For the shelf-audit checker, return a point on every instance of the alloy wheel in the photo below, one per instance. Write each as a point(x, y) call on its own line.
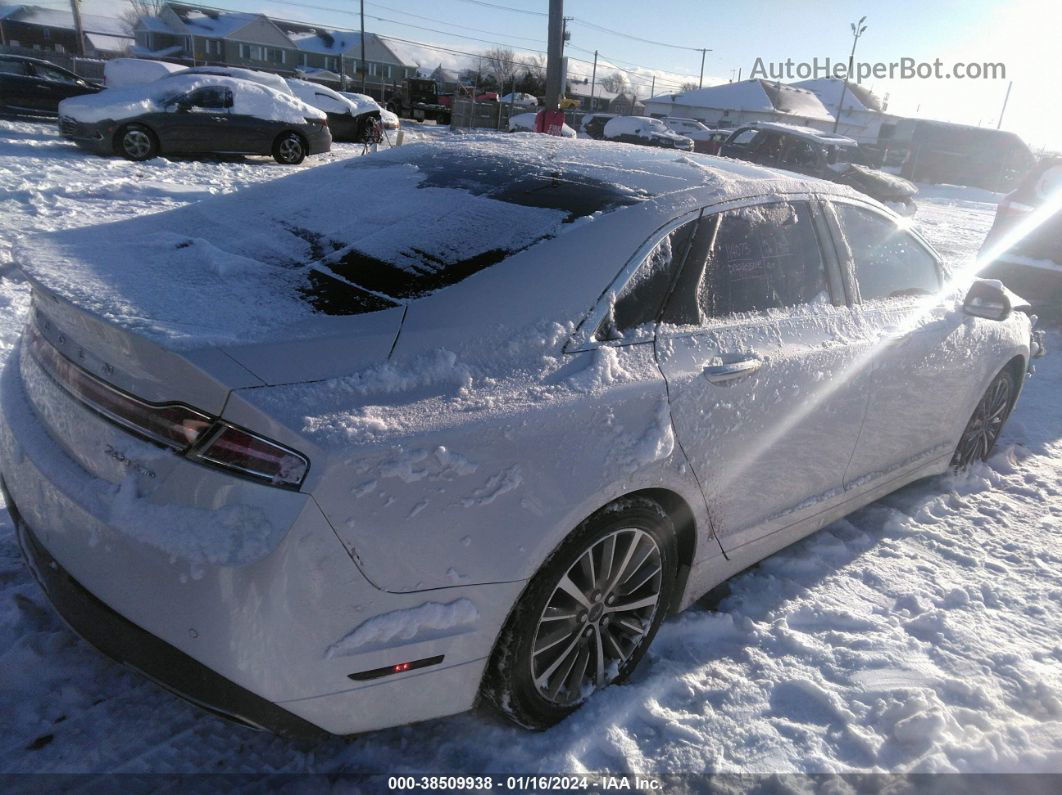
point(987, 422)
point(136, 143)
point(291, 149)
point(597, 616)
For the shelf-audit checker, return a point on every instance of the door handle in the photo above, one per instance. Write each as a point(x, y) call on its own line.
point(731, 371)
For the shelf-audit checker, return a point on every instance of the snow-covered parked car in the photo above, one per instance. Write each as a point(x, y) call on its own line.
point(525, 122)
point(706, 140)
point(267, 79)
point(815, 153)
point(644, 131)
point(520, 100)
point(389, 119)
point(1024, 245)
point(125, 72)
point(195, 114)
point(322, 463)
point(348, 120)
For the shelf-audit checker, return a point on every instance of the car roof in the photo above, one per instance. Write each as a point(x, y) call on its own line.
point(805, 132)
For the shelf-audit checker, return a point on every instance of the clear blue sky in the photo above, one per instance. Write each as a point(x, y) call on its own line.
point(1021, 34)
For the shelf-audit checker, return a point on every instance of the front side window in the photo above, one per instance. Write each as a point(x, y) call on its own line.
point(13, 67)
point(54, 75)
point(750, 260)
point(888, 262)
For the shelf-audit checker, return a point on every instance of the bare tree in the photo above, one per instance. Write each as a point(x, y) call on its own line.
point(501, 64)
point(615, 82)
point(140, 8)
point(688, 87)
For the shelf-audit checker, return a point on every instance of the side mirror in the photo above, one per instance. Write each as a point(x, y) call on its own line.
point(987, 298)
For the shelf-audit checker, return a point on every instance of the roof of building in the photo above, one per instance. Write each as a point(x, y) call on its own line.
point(829, 90)
point(58, 18)
point(215, 24)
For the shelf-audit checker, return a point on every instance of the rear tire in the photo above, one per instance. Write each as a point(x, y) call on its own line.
point(136, 142)
point(289, 149)
point(984, 427)
point(578, 626)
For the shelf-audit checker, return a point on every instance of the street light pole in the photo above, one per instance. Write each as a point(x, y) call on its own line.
point(857, 31)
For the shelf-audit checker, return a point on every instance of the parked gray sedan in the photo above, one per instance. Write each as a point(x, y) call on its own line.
point(196, 114)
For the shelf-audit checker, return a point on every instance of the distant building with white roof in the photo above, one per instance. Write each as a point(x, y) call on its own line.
point(30, 27)
point(734, 104)
point(863, 116)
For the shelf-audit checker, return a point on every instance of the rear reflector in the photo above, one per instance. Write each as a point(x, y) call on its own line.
point(397, 668)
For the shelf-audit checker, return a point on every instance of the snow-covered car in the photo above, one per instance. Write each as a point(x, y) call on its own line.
point(525, 122)
point(593, 124)
point(706, 140)
point(644, 131)
point(520, 100)
point(389, 119)
point(321, 463)
point(815, 153)
point(348, 120)
point(34, 87)
point(124, 72)
point(1030, 262)
point(195, 114)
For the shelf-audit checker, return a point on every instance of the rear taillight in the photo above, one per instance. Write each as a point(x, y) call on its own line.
point(254, 456)
point(196, 435)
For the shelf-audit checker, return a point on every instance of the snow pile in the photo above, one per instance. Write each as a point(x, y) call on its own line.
point(525, 122)
point(125, 72)
point(249, 99)
point(424, 622)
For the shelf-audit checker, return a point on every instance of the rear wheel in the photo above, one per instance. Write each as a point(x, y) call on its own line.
point(587, 617)
point(289, 149)
point(987, 421)
point(137, 142)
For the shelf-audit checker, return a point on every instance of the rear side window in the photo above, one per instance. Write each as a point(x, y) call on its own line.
point(750, 260)
point(641, 299)
point(888, 262)
point(744, 137)
point(13, 68)
point(211, 97)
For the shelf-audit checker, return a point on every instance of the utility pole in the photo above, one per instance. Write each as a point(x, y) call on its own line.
point(1006, 99)
point(700, 82)
point(857, 31)
point(593, 82)
point(554, 53)
point(652, 88)
point(79, 32)
point(364, 66)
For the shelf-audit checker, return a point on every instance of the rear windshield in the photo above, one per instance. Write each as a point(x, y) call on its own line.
point(466, 212)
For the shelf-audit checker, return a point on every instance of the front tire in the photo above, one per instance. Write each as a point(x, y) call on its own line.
point(289, 149)
point(587, 616)
point(136, 142)
point(984, 427)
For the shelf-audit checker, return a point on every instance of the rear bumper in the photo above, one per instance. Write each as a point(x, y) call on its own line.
point(124, 641)
point(319, 140)
point(250, 639)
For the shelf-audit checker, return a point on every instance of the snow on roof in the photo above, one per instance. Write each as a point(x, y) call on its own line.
point(58, 18)
point(216, 24)
point(155, 25)
point(105, 43)
point(761, 96)
point(829, 89)
point(6, 11)
point(266, 263)
point(807, 132)
point(326, 42)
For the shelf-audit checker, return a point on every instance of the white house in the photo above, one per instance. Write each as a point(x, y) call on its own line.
point(863, 116)
point(734, 104)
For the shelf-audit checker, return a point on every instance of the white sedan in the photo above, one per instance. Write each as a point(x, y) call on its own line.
point(324, 464)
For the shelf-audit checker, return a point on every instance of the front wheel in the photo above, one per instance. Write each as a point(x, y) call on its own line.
point(587, 617)
point(137, 142)
point(289, 149)
point(987, 421)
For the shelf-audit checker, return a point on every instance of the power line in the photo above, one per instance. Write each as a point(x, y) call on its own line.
point(633, 37)
point(454, 24)
point(507, 8)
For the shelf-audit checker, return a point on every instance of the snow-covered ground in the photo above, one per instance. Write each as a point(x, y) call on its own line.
point(923, 633)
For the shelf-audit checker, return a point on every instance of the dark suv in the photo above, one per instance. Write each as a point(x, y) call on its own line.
point(34, 87)
point(1031, 265)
